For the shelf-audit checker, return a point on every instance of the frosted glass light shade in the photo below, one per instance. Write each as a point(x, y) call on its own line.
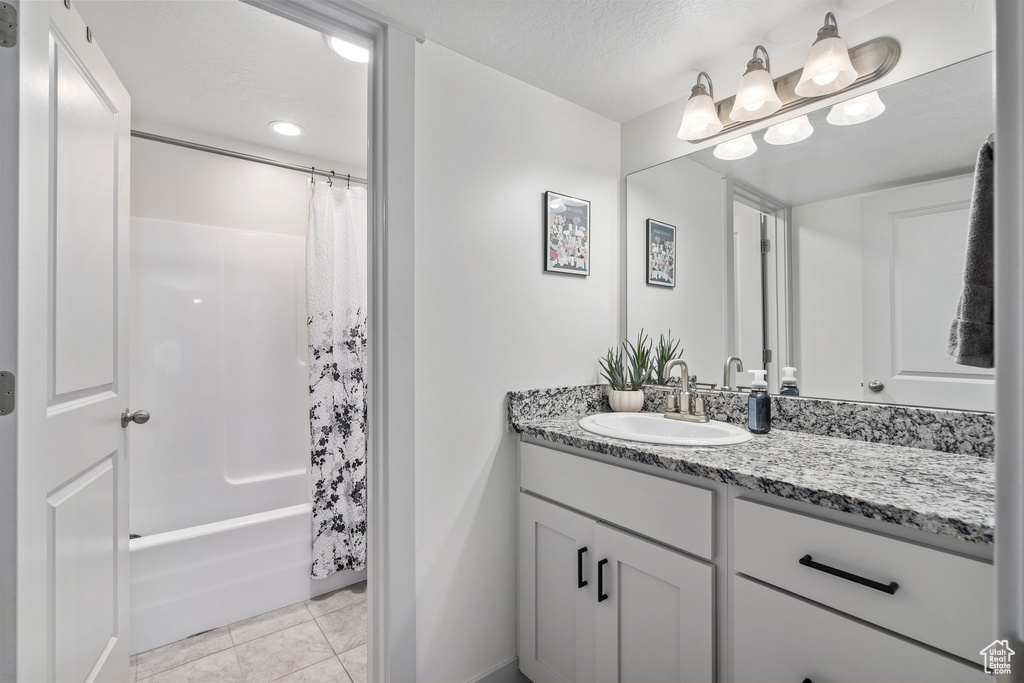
point(736, 149)
point(827, 68)
point(700, 117)
point(756, 96)
point(856, 110)
point(788, 132)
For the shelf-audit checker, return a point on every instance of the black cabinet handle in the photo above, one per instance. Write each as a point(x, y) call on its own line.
point(889, 588)
point(601, 596)
point(580, 582)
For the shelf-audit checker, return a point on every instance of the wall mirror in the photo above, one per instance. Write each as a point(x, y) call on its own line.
point(840, 253)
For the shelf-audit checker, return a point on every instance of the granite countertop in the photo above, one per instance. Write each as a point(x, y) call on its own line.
point(948, 494)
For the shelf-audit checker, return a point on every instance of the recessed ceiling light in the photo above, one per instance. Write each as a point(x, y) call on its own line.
point(348, 50)
point(286, 127)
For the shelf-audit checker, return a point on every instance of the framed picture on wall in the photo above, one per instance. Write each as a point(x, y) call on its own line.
point(566, 234)
point(661, 253)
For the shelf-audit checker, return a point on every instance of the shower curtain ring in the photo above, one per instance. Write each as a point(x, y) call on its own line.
point(330, 179)
point(349, 185)
point(312, 171)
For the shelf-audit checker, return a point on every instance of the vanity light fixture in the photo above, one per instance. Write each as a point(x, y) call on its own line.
point(856, 110)
point(348, 50)
point(756, 96)
point(788, 132)
point(286, 128)
point(738, 148)
point(700, 116)
point(827, 68)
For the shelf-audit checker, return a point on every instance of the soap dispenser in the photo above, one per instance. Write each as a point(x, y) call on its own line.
point(759, 404)
point(789, 387)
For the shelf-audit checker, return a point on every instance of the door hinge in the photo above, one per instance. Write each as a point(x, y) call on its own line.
point(766, 246)
point(8, 25)
point(6, 392)
point(766, 356)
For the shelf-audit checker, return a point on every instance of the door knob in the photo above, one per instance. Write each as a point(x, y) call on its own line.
point(876, 386)
point(139, 417)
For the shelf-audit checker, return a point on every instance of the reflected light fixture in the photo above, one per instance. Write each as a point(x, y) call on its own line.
point(700, 116)
point(756, 96)
point(348, 50)
point(738, 148)
point(788, 132)
point(286, 128)
point(827, 68)
point(856, 110)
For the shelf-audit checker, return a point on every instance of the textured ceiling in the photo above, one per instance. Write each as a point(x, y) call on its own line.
point(224, 67)
point(932, 126)
point(619, 58)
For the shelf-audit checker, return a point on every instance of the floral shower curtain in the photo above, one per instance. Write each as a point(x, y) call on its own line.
point(336, 322)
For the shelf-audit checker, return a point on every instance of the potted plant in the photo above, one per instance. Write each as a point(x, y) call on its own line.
point(627, 369)
point(667, 349)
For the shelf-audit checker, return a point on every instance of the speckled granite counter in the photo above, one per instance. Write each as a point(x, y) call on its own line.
point(942, 493)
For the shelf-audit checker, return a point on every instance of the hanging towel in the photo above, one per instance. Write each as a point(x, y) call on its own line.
point(971, 335)
point(336, 323)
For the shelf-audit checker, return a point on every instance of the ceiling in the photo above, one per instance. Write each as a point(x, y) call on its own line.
point(619, 58)
point(227, 68)
point(932, 127)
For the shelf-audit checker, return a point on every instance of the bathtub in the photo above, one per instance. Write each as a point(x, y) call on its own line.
point(190, 580)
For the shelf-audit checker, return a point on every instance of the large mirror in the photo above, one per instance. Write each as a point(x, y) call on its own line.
point(840, 253)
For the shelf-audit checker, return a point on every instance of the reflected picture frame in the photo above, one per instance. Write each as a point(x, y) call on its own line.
point(661, 254)
point(567, 234)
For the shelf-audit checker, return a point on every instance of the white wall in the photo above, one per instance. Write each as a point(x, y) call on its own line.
point(931, 34)
point(489, 319)
point(691, 197)
point(827, 301)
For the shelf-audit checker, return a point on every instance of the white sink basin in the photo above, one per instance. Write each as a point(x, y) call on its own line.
point(656, 428)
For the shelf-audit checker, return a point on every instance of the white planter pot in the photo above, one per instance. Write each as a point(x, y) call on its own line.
point(626, 401)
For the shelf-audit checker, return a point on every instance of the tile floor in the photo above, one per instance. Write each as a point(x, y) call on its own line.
point(322, 640)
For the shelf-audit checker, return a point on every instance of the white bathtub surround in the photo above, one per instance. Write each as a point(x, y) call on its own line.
point(336, 319)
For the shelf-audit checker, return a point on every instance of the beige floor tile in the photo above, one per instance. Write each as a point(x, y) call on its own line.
point(183, 651)
point(345, 628)
point(272, 656)
point(269, 622)
point(327, 671)
point(329, 602)
point(221, 667)
point(354, 662)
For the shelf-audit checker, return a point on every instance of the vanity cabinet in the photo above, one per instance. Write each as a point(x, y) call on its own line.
point(596, 602)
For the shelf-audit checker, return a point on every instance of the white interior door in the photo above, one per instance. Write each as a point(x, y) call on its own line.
point(914, 242)
point(657, 623)
point(72, 567)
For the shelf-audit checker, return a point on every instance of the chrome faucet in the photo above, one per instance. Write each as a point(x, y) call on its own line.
point(725, 376)
point(685, 406)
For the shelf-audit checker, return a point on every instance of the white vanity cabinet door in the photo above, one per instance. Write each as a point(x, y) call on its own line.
point(777, 637)
point(656, 624)
point(556, 615)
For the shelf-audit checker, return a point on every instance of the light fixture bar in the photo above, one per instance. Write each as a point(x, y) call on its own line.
point(872, 59)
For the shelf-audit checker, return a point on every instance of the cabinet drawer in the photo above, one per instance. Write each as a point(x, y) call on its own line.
point(942, 599)
point(676, 514)
point(780, 638)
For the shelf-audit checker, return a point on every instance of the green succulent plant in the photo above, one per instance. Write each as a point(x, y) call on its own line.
point(667, 349)
point(640, 360)
point(613, 369)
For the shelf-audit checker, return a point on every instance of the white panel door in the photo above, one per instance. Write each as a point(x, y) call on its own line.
point(557, 593)
point(914, 242)
point(72, 567)
point(656, 623)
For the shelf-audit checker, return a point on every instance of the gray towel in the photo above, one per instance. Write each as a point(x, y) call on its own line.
point(971, 335)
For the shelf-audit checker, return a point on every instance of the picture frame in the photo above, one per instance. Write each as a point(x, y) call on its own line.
point(661, 254)
point(567, 234)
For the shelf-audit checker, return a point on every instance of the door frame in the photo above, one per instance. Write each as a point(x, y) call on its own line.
point(391, 443)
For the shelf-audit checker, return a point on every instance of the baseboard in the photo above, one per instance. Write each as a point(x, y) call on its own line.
point(506, 672)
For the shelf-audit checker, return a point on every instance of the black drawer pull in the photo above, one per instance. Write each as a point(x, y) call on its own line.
point(601, 596)
point(580, 582)
point(889, 588)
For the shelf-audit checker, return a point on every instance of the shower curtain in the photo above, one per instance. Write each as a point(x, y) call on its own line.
point(336, 322)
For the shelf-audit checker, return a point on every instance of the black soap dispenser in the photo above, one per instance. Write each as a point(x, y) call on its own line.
point(759, 404)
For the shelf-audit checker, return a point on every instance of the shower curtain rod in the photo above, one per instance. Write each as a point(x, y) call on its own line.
point(245, 157)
